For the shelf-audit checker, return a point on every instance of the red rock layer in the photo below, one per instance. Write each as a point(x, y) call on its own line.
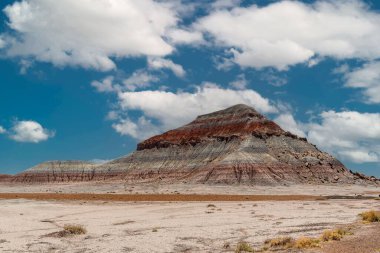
point(234, 122)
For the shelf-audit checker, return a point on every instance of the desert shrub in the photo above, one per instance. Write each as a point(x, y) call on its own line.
point(370, 216)
point(243, 247)
point(306, 242)
point(211, 206)
point(74, 229)
point(283, 242)
point(334, 235)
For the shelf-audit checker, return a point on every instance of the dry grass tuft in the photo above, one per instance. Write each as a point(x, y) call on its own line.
point(306, 242)
point(370, 216)
point(211, 206)
point(334, 235)
point(243, 247)
point(280, 242)
point(74, 229)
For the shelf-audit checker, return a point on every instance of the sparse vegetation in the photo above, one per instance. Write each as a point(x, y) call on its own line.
point(370, 216)
point(334, 235)
point(211, 206)
point(306, 242)
point(243, 247)
point(68, 230)
point(280, 242)
point(74, 229)
point(155, 230)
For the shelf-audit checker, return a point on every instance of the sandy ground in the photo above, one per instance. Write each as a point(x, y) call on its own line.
point(123, 188)
point(121, 217)
point(166, 226)
point(157, 197)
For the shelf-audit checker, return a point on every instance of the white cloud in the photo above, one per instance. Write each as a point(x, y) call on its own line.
point(240, 83)
point(89, 33)
point(139, 79)
point(30, 131)
point(160, 63)
point(366, 78)
point(2, 42)
point(288, 123)
point(274, 79)
point(106, 85)
point(172, 110)
point(141, 129)
point(180, 36)
point(286, 33)
point(2, 130)
point(351, 135)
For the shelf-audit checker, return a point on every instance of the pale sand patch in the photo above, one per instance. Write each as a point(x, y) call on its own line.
point(120, 187)
point(164, 226)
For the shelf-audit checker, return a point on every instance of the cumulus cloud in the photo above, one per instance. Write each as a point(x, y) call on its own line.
point(2, 130)
point(172, 110)
point(139, 79)
point(287, 122)
point(140, 129)
point(105, 85)
point(160, 63)
point(181, 36)
point(89, 33)
point(30, 131)
point(349, 134)
point(240, 83)
point(286, 33)
point(366, 78)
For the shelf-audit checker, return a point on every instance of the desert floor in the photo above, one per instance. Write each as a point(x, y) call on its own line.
point(26, 225)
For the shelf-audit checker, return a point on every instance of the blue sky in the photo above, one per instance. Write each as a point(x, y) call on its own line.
point(88, 80)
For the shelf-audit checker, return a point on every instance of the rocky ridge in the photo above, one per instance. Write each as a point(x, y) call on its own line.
point(235, 145)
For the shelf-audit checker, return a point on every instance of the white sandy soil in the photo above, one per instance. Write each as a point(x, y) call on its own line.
point(166, 227)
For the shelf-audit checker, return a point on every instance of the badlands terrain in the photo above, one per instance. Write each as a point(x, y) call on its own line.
point(230, 181)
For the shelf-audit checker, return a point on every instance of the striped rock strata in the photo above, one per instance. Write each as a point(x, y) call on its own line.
point(235, 145)
point(58, 171)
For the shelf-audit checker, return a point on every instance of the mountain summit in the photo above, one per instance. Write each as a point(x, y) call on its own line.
point(235, 145)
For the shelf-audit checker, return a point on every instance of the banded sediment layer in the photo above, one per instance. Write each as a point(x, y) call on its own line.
point(235, 145)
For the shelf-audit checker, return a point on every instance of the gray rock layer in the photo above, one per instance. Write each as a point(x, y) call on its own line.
point(235, 145)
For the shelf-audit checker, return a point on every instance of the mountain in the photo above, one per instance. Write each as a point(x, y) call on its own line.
point(235, 145)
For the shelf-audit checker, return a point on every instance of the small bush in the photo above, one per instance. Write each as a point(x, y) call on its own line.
point(333, 235)
point(211, 206)
point(74, 229)
point(243, 247)
point(280, 242)
point(306, 242)
point(370, 216)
